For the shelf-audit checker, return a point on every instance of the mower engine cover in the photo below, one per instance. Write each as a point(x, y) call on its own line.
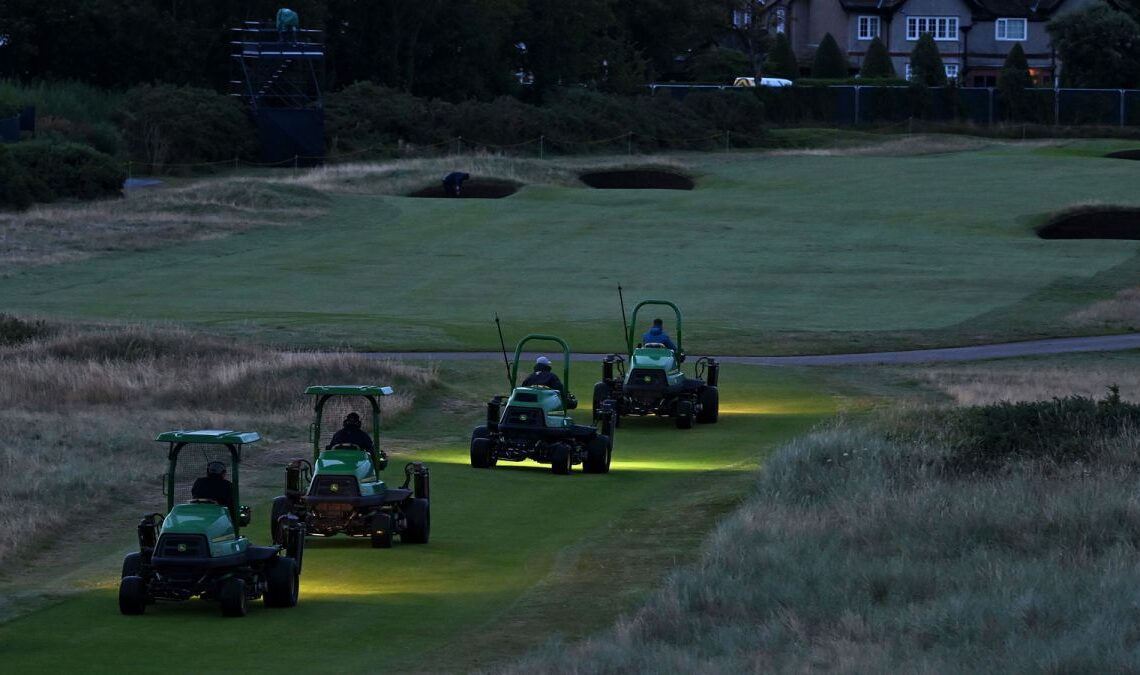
point(549, 401)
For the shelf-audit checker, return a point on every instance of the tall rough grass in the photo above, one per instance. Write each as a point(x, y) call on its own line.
point(148, 220)
point(994, 382)
point(79, 409)
point(1122, 311)
point(860, 552)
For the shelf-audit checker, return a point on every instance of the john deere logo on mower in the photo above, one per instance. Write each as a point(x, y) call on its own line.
point(182, 548)
point(335, 487)
point(523, 418)
point(647, 378)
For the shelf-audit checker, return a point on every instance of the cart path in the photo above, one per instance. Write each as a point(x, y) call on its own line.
point(1098, 343)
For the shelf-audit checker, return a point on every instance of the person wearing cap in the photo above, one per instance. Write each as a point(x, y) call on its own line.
point(543, 376)
point(657, 334)
point(352, 434)
point(214, 486)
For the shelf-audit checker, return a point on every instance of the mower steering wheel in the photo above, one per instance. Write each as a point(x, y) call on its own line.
point(203, 500)
point(655, 345)
point(346, 446)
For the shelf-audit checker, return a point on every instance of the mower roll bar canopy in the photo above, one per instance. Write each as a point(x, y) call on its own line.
point(632, 334)
point(232, 440)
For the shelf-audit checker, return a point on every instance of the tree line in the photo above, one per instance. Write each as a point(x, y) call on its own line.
point(455, 49)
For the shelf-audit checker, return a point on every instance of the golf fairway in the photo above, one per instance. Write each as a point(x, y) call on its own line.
point(512, 562)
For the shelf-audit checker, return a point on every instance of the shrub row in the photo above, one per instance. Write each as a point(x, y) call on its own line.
point(366, 116)
point(1061, 431)
point(46, 171)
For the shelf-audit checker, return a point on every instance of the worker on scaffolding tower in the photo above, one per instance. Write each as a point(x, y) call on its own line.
point(287, 19)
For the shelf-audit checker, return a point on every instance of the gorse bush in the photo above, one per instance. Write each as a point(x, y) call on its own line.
point(166, 125)
point(15, 191)
point(67, 171)
point(14, 330)
point(1063, 431)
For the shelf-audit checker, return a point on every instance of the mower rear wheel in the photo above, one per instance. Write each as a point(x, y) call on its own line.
point(281, 507)
point(560, 459)
point(597, 455)
point(482, 456)
point(232, 597)
point(710, 406)
point(132, 564)
point(132, 595)
point(281, 583)
point(381, 531)
point(418, 514)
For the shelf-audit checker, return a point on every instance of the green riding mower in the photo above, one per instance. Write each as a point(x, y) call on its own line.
point(651, 381)
point(340, 490)
point(198, 550)
point(533, 423)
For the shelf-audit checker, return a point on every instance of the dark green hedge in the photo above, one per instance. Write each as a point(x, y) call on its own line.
point(368, 117)
point(183, 128)
point(56, 171)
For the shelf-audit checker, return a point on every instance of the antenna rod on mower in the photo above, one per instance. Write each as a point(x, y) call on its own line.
point(503, 344)
point(624, 324)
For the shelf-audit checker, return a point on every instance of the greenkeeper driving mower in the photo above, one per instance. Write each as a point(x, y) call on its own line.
point(651, 381)
point(198, 550)
point(534, 423)
point(340, 490)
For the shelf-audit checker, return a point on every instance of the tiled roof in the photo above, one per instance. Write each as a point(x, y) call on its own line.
point(884, 6)
point(1030, 9)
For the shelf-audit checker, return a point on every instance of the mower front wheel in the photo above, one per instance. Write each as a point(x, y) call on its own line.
point(710, 406)
point(418, 514)
point(281, 583)
point(132, 595)
point(233, 599)
point(381, 531)
point(482, 453)
point(598, 455)
point(684, 415)
point(560, 460)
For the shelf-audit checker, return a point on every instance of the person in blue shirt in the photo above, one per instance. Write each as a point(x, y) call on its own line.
point(657, 334)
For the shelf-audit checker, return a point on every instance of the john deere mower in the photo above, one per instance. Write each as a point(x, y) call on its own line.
point(197, 550)
point(651, 382)
point(340, 490)
point(533, 422)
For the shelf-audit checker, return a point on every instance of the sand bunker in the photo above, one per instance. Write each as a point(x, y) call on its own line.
point(643, 179)
point(1092, 223)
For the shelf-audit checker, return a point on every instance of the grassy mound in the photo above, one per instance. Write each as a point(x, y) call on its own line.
point(874, 549)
